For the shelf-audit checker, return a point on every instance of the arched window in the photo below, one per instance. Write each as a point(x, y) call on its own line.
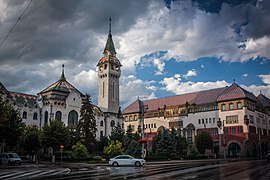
point(101, 123)
point(58, 115)
point(24, 116)
point(46, 117)
point(72, 119)
point(35, 116)
point(112, 123)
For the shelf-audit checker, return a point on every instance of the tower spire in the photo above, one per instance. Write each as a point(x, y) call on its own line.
point(109, 45)
point(63, 73)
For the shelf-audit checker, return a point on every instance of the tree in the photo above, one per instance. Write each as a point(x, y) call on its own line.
point(113, 149)
point(87, 124)
point(203, 141)
point(11, 124)
point(55, 134)
point(117, 133)
point(102, 143)
point(131, 145)
point(31, 140)
point(79, 150)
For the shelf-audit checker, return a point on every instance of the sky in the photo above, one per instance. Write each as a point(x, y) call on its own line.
point(166, 47)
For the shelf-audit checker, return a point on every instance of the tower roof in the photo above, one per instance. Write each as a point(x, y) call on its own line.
point(62, 85)
point(109, 45)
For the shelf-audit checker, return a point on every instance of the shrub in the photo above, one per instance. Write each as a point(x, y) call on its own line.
point(79, 151)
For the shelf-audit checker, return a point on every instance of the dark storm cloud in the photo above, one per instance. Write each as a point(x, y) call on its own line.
point(63, 29)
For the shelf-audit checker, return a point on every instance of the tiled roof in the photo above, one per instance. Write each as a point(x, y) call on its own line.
point(61, 85)
point(109, 58)
point(236, 92)
point(263, 100)
point(23, 99)
point(201, 97)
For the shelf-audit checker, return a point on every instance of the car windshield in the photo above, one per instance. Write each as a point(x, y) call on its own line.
point(13, 155)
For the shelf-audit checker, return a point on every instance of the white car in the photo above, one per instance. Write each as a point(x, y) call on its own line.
point(11, 158)
point(125, 160)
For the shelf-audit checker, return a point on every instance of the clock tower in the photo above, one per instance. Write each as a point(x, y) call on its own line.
point(109, 72)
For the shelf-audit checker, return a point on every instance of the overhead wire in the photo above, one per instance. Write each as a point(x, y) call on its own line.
point(2, 42)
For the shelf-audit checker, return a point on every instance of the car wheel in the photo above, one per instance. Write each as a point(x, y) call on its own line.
point(137, 163)
point(115, 164)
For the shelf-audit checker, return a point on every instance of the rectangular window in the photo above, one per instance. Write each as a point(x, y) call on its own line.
point(130, 118)
point(210, 120)
point(199, 121)
point(251, 119)
point(152, 126)
point(155, 126)
point(135, 118)
point(231, 119)
point(223, 107)
point(103, 87)
point(214, 120)
point(206, 120)
point(101, 134)
point(231, 106)
point(202, 121)
point(239, 105)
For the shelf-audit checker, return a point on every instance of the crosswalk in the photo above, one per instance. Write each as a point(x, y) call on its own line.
point(21, 174)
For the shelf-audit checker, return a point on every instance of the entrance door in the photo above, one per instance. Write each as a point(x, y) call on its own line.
point(234, 150)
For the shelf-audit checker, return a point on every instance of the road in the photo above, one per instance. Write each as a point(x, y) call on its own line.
point(251, 169)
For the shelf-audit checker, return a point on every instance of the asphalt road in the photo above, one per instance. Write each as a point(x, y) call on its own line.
point(239, 169)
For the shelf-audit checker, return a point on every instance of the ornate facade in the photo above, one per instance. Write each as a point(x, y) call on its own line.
point(238, 121)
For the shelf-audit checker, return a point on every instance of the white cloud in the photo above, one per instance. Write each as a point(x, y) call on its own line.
point(160, 66)
point(245, 75)
point(174, 84)
point(190, 73)
point(132, 88)
point(87, 82)
point(265, 79)
point(202, 66)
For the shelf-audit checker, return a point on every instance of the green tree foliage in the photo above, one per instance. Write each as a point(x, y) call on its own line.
point(117, 133)
point(87, 124)
point(11, 125)
point(79, 150)
point(131, 145)
point(203, 141)
point(31, 140)
point(113, 149)
point(55, 134)
point(101, 144)
point(169, 144)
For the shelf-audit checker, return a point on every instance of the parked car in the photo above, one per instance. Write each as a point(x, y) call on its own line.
point(11, 158)
point(268, 156)
point(126, 160)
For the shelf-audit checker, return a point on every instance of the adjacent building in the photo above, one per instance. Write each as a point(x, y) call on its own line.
point(238, 121)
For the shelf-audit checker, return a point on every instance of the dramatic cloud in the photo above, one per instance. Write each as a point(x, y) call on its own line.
point(176, 86)
point(160, 66)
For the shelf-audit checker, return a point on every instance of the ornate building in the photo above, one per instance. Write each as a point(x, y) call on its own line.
point(62, 101)
point(238, 121)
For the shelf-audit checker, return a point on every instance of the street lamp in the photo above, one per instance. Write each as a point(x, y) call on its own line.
point(144, 107)
point(221, 124)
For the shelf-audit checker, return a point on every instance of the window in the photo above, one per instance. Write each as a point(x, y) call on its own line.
point(210, 120)
point(35, 116)
point(214, 120)
point(202, 121)
point(223, 107)
point(101, 134)
point(112, 123)
point(72, 119)
point(103, 89)
point(231, 119)
point(58, 115)
point(105, 66)
point(251, 119)
point(130, 118)
point(135, 118)
point(113, 89)
point(239, 105)
point(155, 126)
point(101, 123)
point(199, 121)
point(24, 115)
point(231, 106)
point(46, 117)
point(206, 121)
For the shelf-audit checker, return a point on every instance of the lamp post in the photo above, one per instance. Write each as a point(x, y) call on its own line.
point(144, 107)
point(221, 124)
